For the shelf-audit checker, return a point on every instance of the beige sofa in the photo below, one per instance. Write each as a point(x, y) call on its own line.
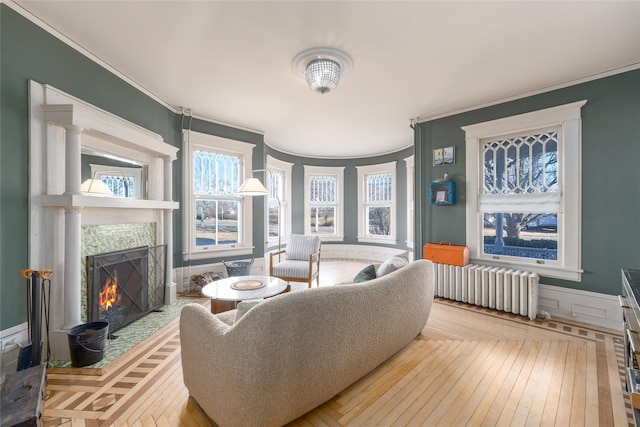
point(289, 354)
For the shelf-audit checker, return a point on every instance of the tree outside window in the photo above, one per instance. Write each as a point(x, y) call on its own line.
point(216, 178)
point(518, 167)
point(376, 203)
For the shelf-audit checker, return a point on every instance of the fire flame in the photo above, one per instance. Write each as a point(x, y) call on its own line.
point(109, 293)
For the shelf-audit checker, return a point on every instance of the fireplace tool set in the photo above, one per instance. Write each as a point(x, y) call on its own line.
point(38, 308)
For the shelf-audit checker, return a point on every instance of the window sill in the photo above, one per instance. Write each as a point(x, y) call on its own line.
point(381, 240)
point(218, 253)
point(330, 238)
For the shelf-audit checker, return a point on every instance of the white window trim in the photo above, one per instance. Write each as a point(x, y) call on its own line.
point(338, 172)
point(410, 165)
point(285, 167)
point(363, 171)
point(568, 118)
point(211, 142)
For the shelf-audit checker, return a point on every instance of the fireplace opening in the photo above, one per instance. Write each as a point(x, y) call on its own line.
point(125, 285)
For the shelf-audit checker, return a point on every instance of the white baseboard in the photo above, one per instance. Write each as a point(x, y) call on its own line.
point(183, 274)
point(362, 252)
point(581, 306)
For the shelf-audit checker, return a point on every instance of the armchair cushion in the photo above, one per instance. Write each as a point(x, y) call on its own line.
point(294, 269)
point(299, 247)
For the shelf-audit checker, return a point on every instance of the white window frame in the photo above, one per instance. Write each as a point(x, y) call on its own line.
point(194, 141)
point(410, 165)
point(568, 118)
point(285, 205)
point(363, 172)
point(337, 172)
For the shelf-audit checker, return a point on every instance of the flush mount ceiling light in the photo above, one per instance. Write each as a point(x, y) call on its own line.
point(322, 67)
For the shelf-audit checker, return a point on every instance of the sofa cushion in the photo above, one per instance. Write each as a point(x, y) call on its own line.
point(391, 265)
point(367, 273)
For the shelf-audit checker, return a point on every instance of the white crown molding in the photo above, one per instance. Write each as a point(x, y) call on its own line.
point(66, 40)
point(40, 23)
point(422, 119)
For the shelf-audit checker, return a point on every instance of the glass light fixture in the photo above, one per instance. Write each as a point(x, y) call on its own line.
point(323, 74)
point(322, 67)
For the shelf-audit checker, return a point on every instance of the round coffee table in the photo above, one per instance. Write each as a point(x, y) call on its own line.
point(224, 297)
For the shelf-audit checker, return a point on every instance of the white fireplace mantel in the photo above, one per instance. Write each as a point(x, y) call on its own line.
point(81, 201)
point(61, 127)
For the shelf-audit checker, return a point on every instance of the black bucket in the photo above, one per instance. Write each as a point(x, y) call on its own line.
point(87, 343)
point(238, 268)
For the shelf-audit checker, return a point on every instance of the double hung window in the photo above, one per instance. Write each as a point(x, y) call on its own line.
point(279, 212)
point(324, 201)
point(523, 190)
point(376, 207)
point(410, 164)
point(217, 220)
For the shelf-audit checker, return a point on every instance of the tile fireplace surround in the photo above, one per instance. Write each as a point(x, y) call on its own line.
point(62, 219)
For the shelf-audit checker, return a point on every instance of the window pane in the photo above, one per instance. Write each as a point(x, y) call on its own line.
point(323, 189)
point(521, 165)
point(379, 221)
point(524, 235)
point(323, 220)
point(379, 188)
point(273, 220)
point(215, 173)
point(216, 222)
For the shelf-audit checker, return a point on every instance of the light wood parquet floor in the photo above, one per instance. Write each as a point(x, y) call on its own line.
point(470, 366)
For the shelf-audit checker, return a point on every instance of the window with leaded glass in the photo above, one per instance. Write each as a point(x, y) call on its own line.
point(520, 199)
point(523, 191)
point(376, 207)
point(323, 201)
point(276, 199)
point(216, 178)
point(217, 221)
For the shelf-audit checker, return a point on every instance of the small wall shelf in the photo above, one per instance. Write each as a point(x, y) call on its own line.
point(442, 192)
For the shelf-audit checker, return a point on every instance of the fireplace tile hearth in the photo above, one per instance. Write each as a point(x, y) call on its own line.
point(136, 332)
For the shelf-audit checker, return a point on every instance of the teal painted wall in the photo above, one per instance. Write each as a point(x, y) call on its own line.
point(30, 53)
point(350, 190)
point(610, 174)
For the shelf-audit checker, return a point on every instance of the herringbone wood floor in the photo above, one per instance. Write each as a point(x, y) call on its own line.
point(471, 366)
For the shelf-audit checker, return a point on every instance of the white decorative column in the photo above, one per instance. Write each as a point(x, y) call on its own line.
point(61, 128)
point(72, 229)
point(170, 294)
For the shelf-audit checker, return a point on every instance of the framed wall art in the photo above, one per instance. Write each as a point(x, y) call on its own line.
point(438, 157)
point(449, 155)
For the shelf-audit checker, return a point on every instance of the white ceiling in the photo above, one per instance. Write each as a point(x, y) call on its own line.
point(232, 61)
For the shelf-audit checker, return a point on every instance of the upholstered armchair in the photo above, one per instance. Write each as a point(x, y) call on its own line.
point(301, 261)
